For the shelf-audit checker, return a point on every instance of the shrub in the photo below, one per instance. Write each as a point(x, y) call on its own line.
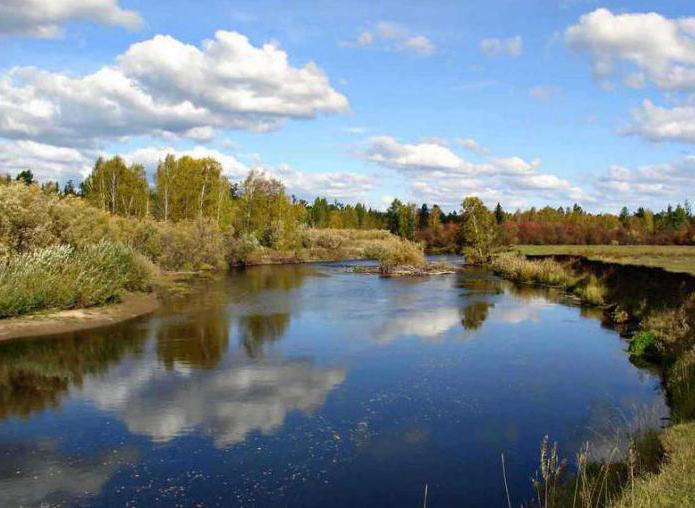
point(643, 344)
point(395, 252)
point(191, 245)
point(63, 277)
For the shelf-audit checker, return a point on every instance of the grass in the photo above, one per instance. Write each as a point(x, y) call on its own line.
point(393, 253)
point(551, 273)
point(674, 484)
point(64, 277)
point(673, 258)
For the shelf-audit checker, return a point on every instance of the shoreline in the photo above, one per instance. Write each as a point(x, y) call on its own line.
point(66, 321)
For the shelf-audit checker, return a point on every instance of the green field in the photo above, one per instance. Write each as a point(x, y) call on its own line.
point(674, 258)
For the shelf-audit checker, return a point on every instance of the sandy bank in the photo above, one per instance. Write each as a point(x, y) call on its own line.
point(64, 321)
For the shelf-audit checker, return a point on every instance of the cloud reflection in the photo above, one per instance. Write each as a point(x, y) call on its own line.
point(226, 404)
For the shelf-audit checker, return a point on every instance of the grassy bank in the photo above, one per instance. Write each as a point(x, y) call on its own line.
point(674, 258)
point(658, 467)
point(549, 273)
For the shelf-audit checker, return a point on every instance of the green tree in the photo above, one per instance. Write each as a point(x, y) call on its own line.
point(26, 177)
point(499, 214)
point(477, 232)
point(120, 189)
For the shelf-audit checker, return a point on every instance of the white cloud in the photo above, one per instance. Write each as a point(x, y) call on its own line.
point(494, 46)
point(44, 18)
point(473, 146)
point(660, 48)
point(421, 157)
point(392, 37)
point(663, 124)
point(163, 86)
point(648, 185)
point(47, 162)
point(437, 174)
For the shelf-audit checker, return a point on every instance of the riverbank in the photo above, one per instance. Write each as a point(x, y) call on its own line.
point(131, 306)
point(647, 295)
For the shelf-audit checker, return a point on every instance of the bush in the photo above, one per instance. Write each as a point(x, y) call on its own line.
point(191, 245)
point(395, 252)
point(643, 344)
point(64, 277)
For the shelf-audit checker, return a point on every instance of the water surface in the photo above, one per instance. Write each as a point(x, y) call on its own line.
point(309, 385)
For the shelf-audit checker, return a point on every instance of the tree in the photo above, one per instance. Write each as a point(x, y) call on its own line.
point(120, 189)
point(189, 188)
point(477, 230)
point(423, 218)
point(499, 214)
point(265, 211)
point(624, 216)
point(26, 177)
point(69, 189)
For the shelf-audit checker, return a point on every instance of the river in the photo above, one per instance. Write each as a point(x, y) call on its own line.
point(309, 385)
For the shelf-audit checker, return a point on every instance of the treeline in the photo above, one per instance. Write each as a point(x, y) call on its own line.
point(546, 226)
point(258, 210)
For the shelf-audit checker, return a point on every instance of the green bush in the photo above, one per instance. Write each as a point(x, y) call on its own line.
point(644, 344)
point(191, 245)
point(64, 277)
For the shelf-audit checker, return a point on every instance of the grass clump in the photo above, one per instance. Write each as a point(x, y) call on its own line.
point(548, 272)
point(393, 253)
point(65, 277)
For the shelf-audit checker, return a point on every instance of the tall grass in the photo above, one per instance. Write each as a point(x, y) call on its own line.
point(393, 252)
point(549, 272)
point(64, 277)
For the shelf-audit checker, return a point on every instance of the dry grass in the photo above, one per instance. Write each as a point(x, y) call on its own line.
point(674, 258)
point(548, 272)
point(393, 253)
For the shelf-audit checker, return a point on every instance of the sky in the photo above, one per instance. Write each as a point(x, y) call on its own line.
point(522, 102)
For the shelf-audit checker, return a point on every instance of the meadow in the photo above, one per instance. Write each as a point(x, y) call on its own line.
point(674, 258)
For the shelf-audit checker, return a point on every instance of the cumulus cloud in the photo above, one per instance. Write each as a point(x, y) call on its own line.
point(427, 156)
point(645, 184)
point(659, 48)
point(438, 174)
point(47, 162)
point(493, 46)
point(656, 123)
point(45, 18)
point(393, 37)
point(162, 86)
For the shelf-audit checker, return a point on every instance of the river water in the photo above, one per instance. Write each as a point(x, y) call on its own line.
point(309, 385)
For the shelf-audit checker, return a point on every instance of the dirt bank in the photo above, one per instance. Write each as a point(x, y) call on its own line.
point(64, 321)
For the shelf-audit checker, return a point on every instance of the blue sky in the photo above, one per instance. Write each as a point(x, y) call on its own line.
point(522, 102)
